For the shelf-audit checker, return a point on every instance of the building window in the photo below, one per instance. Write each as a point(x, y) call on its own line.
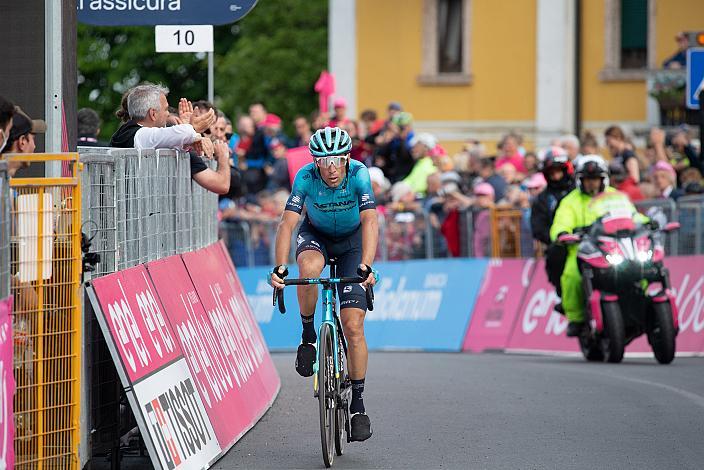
point(446, 51)
point(629, 46)
point(634, 34)
point(449, 36)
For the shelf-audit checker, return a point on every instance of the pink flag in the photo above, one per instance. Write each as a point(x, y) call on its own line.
point(297, 157)
point(325, 86)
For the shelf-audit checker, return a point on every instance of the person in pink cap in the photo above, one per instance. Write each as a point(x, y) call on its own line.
point(536, 184)
point(481, 245)
point(340, 118)
point(664, 178)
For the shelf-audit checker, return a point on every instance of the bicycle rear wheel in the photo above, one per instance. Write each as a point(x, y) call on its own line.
point(326, 393)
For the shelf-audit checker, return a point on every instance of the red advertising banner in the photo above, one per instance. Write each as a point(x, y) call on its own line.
point(143, 336)
point(497, 305)
point(7, 386)
point(235, 342)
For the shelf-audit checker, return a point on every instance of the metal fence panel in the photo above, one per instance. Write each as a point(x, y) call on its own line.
point(659, 208)
point(45, 224)
point(690, 211)
point(129, 202)
point(4, 232)
point(99, 209)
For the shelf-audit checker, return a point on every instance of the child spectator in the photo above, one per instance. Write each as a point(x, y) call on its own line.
point(485, 196)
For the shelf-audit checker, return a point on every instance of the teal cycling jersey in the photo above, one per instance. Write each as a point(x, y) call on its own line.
point(332, 211)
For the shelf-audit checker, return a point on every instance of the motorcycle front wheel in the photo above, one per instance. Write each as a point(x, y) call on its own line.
point(662, 334)
point(590, 349)
point(613, 342)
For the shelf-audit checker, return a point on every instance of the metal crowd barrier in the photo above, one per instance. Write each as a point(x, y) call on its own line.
point(142, 205)
point(498, 232)
point(690, 210)
point(4, 232)
point(45, 251)
point(138, 206)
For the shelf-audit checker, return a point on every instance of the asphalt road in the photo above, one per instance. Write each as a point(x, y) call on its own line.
point(496, 411)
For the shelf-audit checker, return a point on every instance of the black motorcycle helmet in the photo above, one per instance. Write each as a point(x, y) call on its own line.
point(592, 166)
point(556, 157)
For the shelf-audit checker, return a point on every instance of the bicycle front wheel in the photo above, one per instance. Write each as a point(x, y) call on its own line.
point(326, 393)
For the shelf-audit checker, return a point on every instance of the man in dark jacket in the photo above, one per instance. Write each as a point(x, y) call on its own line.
point(559, 174)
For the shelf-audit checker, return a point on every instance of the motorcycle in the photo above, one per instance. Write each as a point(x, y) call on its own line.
point(626, 287)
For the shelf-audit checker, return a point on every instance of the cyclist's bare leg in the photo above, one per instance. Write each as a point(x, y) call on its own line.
point(310, 264)
point(353, 326)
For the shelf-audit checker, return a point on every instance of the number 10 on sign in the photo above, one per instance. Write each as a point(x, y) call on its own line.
point(180, 38)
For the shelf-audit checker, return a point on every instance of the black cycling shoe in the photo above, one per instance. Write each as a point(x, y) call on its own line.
point(305, 358)
point(575, 328)
point(361, 427)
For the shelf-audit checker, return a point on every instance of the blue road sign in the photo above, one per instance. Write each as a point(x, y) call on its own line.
point(162, 12)
point(695, 76)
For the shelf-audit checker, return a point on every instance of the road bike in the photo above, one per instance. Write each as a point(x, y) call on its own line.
point(331, 382)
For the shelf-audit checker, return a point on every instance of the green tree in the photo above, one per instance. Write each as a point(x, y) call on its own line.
point(273, 55)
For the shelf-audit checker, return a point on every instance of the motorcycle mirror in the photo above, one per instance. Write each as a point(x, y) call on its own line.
point(671, 226)
point(568, 239)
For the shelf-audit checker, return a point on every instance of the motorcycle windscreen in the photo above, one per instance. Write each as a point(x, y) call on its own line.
point(615, 210)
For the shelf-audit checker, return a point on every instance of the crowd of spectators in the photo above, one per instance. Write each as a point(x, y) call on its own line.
point(417, 185)
point(420, 190)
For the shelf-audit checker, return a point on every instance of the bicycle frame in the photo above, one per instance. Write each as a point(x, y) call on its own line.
point(329, 317)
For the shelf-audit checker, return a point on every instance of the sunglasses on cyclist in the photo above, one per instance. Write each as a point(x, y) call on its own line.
point(337, 160)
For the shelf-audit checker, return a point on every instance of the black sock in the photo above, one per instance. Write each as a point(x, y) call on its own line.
point(309, 335)
point(357, 405)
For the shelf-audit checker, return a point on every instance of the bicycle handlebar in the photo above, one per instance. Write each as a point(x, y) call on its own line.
point(278, 296)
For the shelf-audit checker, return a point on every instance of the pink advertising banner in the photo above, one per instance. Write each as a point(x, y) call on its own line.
point(687, 280)
point(246, 374)
point(7, 386)
point(538, 326)
point(497, 305)
point(136, 319)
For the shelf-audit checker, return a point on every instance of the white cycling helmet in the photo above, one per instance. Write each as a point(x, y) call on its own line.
point(591, 166)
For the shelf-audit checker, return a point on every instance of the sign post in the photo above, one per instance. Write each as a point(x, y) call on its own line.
point(695, 87)
point(695, 76)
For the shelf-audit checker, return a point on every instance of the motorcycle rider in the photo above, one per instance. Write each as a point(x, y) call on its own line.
point(559, 174)
point(592, 178)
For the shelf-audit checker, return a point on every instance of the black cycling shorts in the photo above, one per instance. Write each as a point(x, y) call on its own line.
point(347, 251)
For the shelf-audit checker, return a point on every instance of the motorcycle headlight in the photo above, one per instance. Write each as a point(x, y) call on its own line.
point(644, 256)
point(614, 259)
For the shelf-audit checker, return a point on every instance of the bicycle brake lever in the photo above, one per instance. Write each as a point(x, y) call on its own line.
point(370, 298)
point(279, 294)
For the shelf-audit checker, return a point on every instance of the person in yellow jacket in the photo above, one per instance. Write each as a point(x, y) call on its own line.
point(421, 146)
point(574, 211)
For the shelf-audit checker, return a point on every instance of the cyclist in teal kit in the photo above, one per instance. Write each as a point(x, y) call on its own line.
point(340, 223)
